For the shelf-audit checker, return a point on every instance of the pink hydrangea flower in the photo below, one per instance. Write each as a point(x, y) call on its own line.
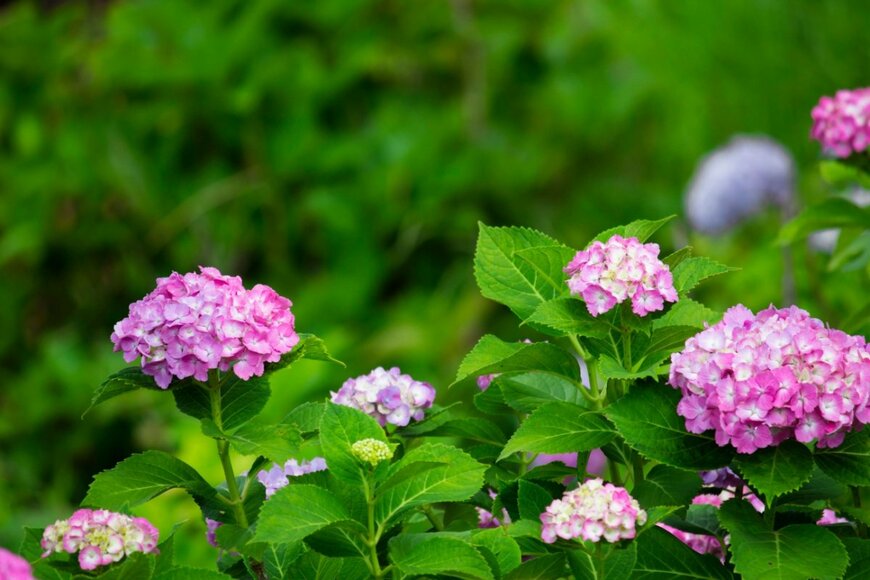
point(593, 511)
point(192, 323)
point(830, 518)
point(100, 537)
point(14, 567)
point(701, 543)
point(486, 519)
point(607, 274)
point(758, 380)
point(842, 123)
point(388, 396)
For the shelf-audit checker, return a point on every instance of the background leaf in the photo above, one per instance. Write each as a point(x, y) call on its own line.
point(777, 470)
point(296, 511)
point(560, 428)
point(432, 554)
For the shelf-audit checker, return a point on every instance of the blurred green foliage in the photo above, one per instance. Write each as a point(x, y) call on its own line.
point(343, 151)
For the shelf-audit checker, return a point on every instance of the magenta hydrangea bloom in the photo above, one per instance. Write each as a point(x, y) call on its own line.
point(830, 518)
point(761, 379)
point(388, 396)
point(592, 511)
point(842, 123)
point(14, 567)
point(100, 537)
point(192, 323)
point(607, 274)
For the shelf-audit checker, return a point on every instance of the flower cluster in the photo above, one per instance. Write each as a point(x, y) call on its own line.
point(842, 123)
point(275, 478)
point(737, 181)
point(592, 511)
point(100, 537)
point(371, 451)
point(761, 379)
point(14, 567)
point(192, 323)
point(830, 518)
point(607, 274)
point(388, 396)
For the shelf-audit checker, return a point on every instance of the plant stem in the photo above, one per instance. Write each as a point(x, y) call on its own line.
point(637, 465)
point(223, 447)
point(592, 394)
point(615, 478)
point(856, 500)
point(599, 561)
point(374, 536)
point(430, 515)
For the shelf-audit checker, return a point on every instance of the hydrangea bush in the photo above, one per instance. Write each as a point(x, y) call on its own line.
point(640, 434)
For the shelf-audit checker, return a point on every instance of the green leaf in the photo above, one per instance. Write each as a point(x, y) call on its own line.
point(278, 558)
point(124, 381)
point(476, 429)
point(613, 369)
point(777, 470)
point(297, 511)
point(306, 417)
point(505, 278)
point(673, 260)
point(528, 391)
point(341, 539)
point(640, 229)
point(277, 442)
point(821, 486)
point(687, 312)
point(493, 355)
point(859, 558)
point(663, 342)
point(340, 428)
point(507, 552)
point(540, 568)
point(691, 271)
point(661, 556)
point(834, 212)
point(850, 462)
point(665, 485)
point(581, 565)
point(491, 401)
point(31, 550)
point(309, 347)
point(457, 478)
point(133, 567)
point(432, 554)
point(144, 476)
point(533, 500)
point(188, 573)
point(794, 552)
point(240, 400)
point(620, 562)
point(549, 263)
point(567, 315)
point(313, 566)
point(842, 173)
point(648, 420)
point(560, 428)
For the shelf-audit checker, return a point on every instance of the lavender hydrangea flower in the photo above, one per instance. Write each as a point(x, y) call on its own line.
point(276, 477)
point(192, 323)
point(842, 123)
point(593, 511)
point(737, 181)
point(14, 567)
point(388, 396)
point(761, 379)
point(100, 537)
point(486, 519)
point(607, 274)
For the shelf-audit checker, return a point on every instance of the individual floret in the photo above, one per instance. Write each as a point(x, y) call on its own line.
point(842, 123)
point(192, 323)
point(388, 396)
point(14, 567)
point(593, 511)
point(758, 380)
point(607, 274)
point(100, 537)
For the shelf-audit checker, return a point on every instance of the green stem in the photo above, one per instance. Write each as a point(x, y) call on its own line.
point(430, 515)
point(590, 395)
point(637, 465)
point(615, 478)
point(626, 348)
point(223, 448)
point(374, 535)
point(599, 561)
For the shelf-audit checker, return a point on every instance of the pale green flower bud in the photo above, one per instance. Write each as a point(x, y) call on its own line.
point(371, 451)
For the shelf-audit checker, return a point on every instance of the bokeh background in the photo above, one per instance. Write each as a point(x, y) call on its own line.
point(343, 152)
